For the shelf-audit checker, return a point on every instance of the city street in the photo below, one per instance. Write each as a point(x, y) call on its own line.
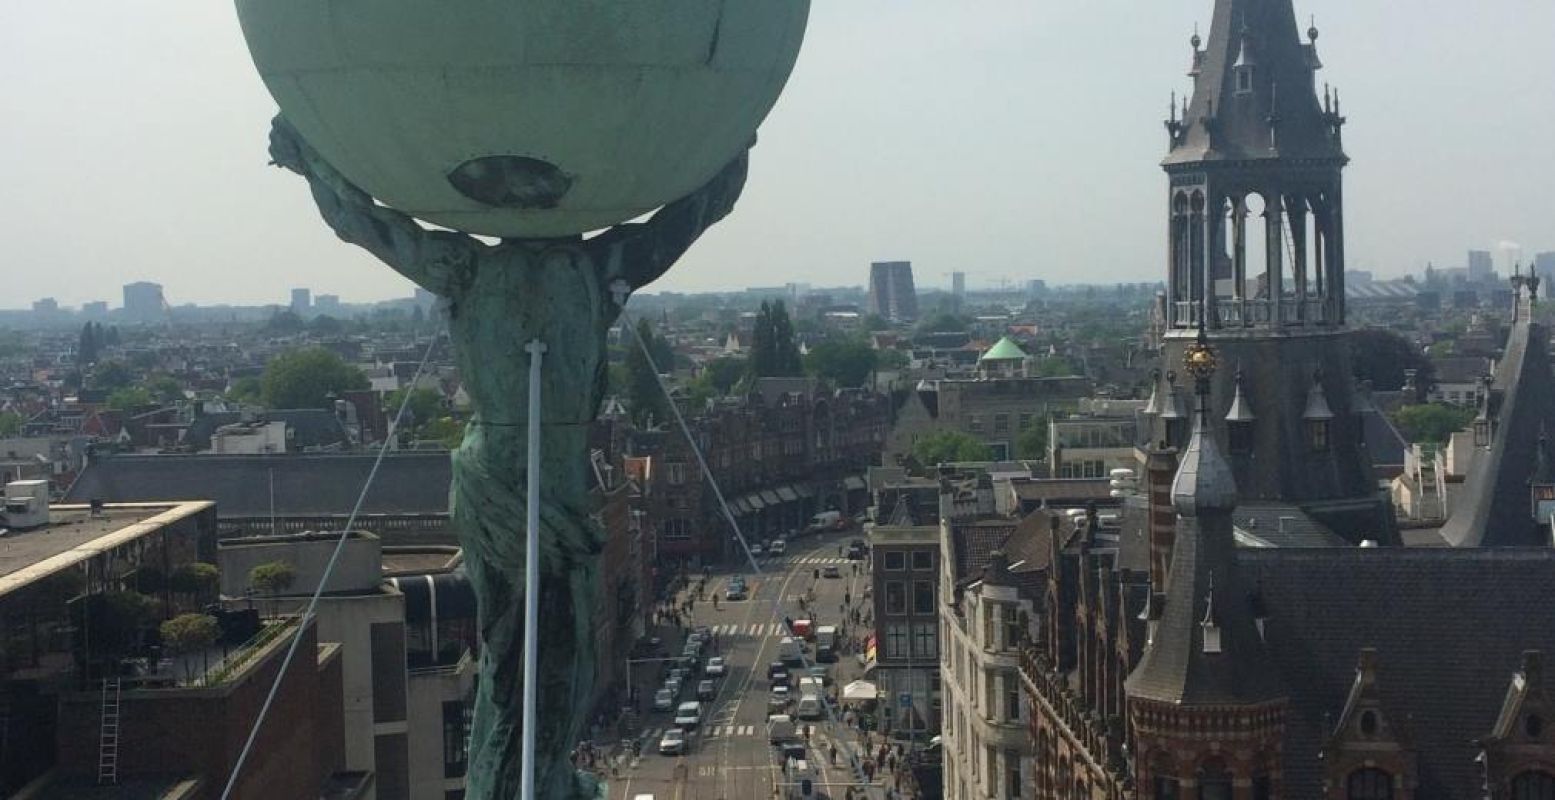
point(729, 755)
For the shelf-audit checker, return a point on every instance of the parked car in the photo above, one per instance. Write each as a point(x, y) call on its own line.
point(688, 715)
point(663, 700)
point(778, 547)
point(673, 743)
point(707, 690)
point(716, 667)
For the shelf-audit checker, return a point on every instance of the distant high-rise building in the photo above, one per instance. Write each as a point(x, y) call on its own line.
point(1545, 264)
point(958, 284)
point(47, 305)
point(1036, 287)
point(891, 291)
point(302, 301)
point(95, 308)
point(425, 299)
point(1481, 265)
point(143, 300)
point(327, 304)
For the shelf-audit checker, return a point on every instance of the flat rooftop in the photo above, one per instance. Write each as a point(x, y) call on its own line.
point(74, 534)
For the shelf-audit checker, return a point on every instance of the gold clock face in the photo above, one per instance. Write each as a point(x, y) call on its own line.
point(1200, 360)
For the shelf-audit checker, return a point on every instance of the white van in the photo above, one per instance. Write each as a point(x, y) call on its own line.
point(790, 651)
point(827, 521)
point(810, 685)
point(778, 547)
point(809, 707)
point(780, 728)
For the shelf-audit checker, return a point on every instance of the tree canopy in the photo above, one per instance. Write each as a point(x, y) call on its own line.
point(773, 352)
point(306, 378)
point(944, 447)
point(1432, 422)
point(129, 398)
point(1031, 442)
point(425, 405)
point(1381, 356)
point(723, 373)
point(10, 423)
point(272, 577)
point(845, 362)
point(110, 375)
point(944, 323)
point(644, 398)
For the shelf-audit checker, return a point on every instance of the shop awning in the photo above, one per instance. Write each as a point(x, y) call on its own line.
point(787, 494)
point(755, 502)
point(740, 506)
point(853, 483)
point(770, 496)
point(805, 490)
point(860, 690)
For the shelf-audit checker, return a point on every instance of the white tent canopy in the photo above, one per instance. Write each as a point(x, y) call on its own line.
point(859, 690)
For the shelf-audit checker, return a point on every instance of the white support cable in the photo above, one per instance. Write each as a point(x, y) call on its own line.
point(536, 350)
point(849, 748)
point(334, 557)
point(626, 322)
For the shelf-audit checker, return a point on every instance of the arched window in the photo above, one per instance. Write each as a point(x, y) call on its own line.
point(1533, 785)
point(1369, 784)
point(1214, 781)
point(1165, 788)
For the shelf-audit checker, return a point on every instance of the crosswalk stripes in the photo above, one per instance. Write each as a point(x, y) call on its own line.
point(730, 731)
point(821, 561)
point(753, 630)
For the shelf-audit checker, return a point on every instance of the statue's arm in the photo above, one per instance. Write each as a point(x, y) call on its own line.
point(437, 261)
point(641, 252)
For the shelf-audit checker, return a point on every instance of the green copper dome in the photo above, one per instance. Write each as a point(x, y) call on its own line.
point(1005, 350)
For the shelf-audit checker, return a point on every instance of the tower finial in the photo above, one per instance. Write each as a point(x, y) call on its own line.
point(1196, 41)
point(1312, 30)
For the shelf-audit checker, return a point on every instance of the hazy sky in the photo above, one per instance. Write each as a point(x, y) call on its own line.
point(1012, 139)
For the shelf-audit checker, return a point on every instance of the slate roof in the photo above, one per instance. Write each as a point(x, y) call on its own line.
point(1449, 626)
point(1494, 508)
point(314, 427)
point(1263, 520)
point(305, 485)
point(972, 542)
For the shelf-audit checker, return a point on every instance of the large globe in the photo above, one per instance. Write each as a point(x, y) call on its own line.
point(525, 118)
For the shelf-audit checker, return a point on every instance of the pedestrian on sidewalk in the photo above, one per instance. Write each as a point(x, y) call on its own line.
point(834, 755)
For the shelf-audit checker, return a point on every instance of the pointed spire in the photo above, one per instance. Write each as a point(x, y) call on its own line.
point(1153, 405)
point(1204, 483)
point(1317, 401)
point(1252, 45)
point(1241, 410)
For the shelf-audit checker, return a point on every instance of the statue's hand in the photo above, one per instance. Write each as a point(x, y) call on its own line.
point(287, 147)
point(290, 151)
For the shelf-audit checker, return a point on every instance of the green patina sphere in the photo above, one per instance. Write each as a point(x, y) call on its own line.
point(525, 118)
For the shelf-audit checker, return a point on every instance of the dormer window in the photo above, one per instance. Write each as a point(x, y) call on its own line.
point(1244, 80)
point(1241, 435)
point(1211, 638)
point(1317, 435)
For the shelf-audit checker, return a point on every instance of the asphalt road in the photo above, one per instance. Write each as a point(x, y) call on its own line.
point(730, 757)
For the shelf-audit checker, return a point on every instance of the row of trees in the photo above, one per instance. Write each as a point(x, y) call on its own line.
point(773, 351)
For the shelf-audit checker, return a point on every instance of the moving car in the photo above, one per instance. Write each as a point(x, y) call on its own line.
point(780, 728)
point(804, 628)
point(716, 666)
point(735, 592)
point(672, 685)
point(856, 550)
point(756, 549)
point(688, 715)
point(831, 571)
point(777, 673)
point(778, 547)
point(778, 699)
point(827, 521)
point(663, 700)
point(707, 690)
point(809, 707)
point(673, 743)
point(820, 672)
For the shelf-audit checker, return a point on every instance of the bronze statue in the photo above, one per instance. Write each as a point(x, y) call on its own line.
point(565, 292)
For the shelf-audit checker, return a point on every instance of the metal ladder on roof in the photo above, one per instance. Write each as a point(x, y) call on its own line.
point(108, 740)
